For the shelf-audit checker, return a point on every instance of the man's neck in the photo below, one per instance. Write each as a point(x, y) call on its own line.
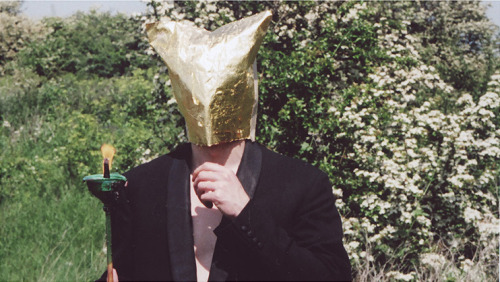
point(226, 154)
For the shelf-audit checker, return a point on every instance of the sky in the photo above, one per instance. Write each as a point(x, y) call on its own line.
point(38, 9)
point(493, 12)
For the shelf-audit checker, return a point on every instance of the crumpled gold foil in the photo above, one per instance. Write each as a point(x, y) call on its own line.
point(212, 76)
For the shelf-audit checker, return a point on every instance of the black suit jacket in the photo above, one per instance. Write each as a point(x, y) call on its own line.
point(290, 229)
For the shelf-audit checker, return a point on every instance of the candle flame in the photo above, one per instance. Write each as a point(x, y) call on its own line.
point(108, 152)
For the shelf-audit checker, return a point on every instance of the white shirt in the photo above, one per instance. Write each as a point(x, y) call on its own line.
point(204, 222)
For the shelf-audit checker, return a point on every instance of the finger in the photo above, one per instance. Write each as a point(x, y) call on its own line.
point(206, 175)
point(204, 187)
point(126, 184)
point(115, 275)
point(208, 166)
point(207, 172)
point(210, 196)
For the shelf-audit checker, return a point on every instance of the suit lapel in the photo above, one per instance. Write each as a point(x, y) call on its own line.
point(180, 230)
point(249, 169)
point(248, 174)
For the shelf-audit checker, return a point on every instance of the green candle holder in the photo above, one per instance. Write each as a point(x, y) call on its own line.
point(106, 189)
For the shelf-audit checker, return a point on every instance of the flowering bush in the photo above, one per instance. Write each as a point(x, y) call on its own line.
point(17, 31)
point(385, 98)
point(430, 175)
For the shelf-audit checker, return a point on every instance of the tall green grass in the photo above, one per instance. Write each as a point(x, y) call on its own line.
point(52, 239)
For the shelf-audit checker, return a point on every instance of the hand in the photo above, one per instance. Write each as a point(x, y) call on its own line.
point(219, 185)
point(115, 276)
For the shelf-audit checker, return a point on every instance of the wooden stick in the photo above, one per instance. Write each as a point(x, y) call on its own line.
point(110, 272)
point(109, 254)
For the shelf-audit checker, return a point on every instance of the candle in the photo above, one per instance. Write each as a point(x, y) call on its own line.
point(108, 152)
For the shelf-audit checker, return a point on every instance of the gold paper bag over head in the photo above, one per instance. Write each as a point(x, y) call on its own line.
point(212, 76)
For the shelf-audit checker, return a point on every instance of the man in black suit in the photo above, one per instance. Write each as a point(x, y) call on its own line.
point(289, 228)
point(224, 207)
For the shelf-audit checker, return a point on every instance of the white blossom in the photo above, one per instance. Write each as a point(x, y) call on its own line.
point(432, 259)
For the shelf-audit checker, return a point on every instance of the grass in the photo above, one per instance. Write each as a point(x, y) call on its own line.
point(52, 239)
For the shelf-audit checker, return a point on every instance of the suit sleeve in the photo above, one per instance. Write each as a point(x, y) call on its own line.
point(311, 249)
